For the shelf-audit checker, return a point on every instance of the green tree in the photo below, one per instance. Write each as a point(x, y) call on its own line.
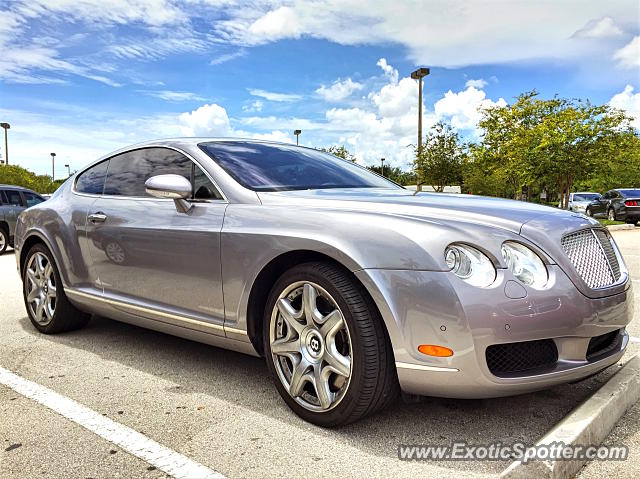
point(395, 174)
point(549, 145)
point(340, 151)
point(440, 162)
point(18, 176)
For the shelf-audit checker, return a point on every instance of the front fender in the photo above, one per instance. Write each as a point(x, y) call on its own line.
point(253, 235)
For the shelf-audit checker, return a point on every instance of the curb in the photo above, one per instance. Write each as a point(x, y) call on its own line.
point(590, 423)
point(621, 227)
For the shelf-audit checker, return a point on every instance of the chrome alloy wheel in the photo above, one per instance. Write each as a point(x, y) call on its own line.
point(311, 346)
point(3, 241)
point(41, 288)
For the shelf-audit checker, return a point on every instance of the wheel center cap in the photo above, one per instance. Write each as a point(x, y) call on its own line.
point(314, 344)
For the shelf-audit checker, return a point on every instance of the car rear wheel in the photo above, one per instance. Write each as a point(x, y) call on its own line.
point(4, 239)
point(47, 305)
point(326, 346)
point(611, 214)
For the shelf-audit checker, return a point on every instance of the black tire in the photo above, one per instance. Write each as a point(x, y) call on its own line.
point(4, 239)
point(374, 381)
point(66, 317)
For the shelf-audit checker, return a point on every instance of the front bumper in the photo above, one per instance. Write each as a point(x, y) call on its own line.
point(424, 307)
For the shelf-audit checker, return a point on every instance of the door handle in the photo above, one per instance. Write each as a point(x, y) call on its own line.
point(98, 217)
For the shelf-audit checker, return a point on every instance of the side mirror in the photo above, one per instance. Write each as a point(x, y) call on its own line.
point(174, 187)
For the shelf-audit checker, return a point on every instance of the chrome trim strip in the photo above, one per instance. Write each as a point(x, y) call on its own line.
point(423, 367)
point(142, 309)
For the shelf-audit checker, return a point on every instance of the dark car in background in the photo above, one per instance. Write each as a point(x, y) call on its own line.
point(622, 204)
point(13, 200)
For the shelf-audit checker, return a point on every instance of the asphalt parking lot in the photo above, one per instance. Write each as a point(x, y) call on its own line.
point(220, 409)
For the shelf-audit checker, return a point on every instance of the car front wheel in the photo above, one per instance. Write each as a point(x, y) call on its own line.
point(47, 305)
point(326, 346)
point(611, 214)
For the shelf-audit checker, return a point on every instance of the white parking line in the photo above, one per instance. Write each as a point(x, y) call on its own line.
point(634, 340)
point(163, 458)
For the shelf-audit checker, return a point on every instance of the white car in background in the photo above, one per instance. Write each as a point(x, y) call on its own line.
point(578, 201)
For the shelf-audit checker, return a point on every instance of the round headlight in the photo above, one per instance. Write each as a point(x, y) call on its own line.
point(470, 265)
point(525, 264)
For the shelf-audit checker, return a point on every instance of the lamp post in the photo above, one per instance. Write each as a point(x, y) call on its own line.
point(382, 160)
point(53, 167)
point(297, 133)
point(6, 126)
point(68, 170)
point(419, 74)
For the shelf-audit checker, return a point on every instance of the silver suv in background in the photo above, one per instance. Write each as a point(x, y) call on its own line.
point(13, 200)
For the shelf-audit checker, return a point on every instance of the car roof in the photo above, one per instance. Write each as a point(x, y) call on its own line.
point(181, 142)
point(14, 187)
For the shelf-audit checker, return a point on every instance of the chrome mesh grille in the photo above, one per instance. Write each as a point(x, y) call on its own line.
point(592, 255)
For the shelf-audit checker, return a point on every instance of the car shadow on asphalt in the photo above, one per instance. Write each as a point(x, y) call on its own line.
point(244, 380)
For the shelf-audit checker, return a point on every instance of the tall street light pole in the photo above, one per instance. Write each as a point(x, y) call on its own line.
point(6, 126)
point(68, 171)
point(382, 160)
point(419, 74)
point(53, 167)
point(297, 133)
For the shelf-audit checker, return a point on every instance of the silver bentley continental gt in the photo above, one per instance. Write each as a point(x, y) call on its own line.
point(352, 287)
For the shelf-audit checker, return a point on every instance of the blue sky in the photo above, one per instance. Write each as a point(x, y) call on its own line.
point(82, 79)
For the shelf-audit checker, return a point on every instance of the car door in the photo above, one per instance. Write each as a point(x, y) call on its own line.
point(599, 207)
point(617, 202)
point(147, 254)
point(15, 205)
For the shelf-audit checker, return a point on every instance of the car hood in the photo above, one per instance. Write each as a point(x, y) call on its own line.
point(497, 212)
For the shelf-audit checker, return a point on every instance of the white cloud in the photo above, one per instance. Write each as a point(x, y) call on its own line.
point(604, 27)
point(276, 135)
point(629, 55)
point(228, 57)
point(388, 70)
point(150, 12)
point(170, 95)
point(479, 83)
point(276, 24)
point(462, 108)
point(273, 96)
point(339, 90)
point(628, 101)
point(395, 99)
point(256, 106)
point(438, 32)
point(208, 120)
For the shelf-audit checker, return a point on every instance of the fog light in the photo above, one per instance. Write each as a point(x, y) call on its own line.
point(434, 350)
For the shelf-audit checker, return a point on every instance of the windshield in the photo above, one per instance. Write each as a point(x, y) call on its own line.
point(275, 167)
point(629, 193)
point(585, 197)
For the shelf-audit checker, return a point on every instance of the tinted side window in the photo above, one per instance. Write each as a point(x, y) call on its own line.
point(128, 171)
point(3, 198)
point(32, 199)
point(92, 180)
point(13, 198)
